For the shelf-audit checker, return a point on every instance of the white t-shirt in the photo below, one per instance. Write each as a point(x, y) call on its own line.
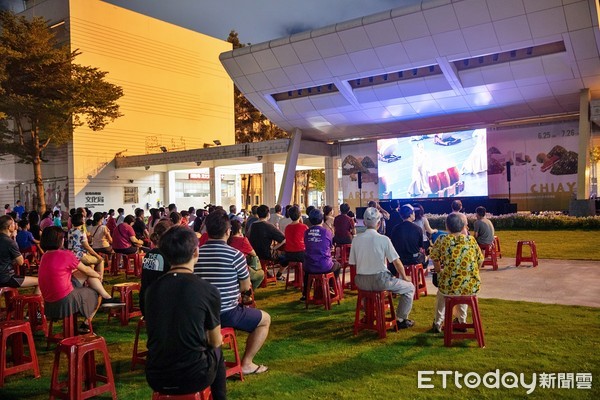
point(370, 252)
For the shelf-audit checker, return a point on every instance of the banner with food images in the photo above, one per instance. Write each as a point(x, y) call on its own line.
point(361, 158)
point(543, 163)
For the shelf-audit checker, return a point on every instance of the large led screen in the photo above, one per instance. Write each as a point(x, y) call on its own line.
point(450, 164)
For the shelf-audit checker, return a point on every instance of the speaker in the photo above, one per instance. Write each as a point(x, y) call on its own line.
point(360, 212)
point(508, 171)
point(359, 180)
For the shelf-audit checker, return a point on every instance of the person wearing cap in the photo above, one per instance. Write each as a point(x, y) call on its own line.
point(370, 253)
point(407, 238)
point(318, 242)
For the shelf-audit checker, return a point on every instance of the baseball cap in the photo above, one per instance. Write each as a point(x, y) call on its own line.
point(371, 214)
point(406, 211)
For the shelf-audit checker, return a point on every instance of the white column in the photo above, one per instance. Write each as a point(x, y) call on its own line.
point(169, 187)
point(331, 181)
point(215, 186)
point(287, 182)
point(268, 183)
point(583, 170)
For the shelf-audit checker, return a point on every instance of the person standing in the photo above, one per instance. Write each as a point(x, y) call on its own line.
point(183, 323)
point(19, 209)
point(407, 239)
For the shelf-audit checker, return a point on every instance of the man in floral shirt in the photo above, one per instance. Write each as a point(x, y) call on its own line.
point(461, 258)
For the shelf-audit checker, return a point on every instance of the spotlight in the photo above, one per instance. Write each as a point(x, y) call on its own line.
point(163, 149)
point(258, 158)
point(217, 142)
point(198, 163)
point(147, 167)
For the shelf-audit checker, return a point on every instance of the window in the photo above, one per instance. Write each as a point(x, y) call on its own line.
point(130, 195)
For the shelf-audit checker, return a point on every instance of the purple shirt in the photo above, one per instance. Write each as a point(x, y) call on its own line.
point(318, 241)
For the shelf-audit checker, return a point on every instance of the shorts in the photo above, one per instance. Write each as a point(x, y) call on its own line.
point(242, 318)
point(15, 281)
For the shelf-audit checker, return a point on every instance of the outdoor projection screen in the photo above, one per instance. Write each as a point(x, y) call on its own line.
point(450, 164)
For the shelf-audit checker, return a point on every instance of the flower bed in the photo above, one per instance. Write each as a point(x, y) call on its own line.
point(542, 221)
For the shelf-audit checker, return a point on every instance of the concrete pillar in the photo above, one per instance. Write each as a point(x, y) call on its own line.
point(215, 185)
point(169, 188)
point(332, 181)
point(287, 182)
point(268, 183)
point(583, 170)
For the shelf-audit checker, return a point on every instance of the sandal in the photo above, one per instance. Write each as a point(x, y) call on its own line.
point(260, 369)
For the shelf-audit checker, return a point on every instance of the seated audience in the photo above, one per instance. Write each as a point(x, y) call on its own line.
point(328, 219)
point(286, 220)
point(78, 244)
point(483, 229)
point(318, 242)
point(225, 267)
point(62, 277)
point(10, 256)
point(407, 239)
point(294, 239)
point(25, 240)
point(154, 264)
point(46, 220)
point(183, 323)
point(241, 243)
point(262, 236)
point(370, 253)
point(100, 234)
point(422, 222)
point(124, 240)
point(343, 226)
point(461, 258)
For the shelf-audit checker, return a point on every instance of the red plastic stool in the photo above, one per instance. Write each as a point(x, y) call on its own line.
point(417, 276)
point(532, 258)
point(69, 329)
point(375, 306)
point(138, 357)
point(203, 395)
point(320, 293)
point(229, 340)
point(490, 255)
point(265, 265)
point(298, 275)
point(21, 362)
point(497, 243)
point(34, 304)
point(449, 325)
point(129, 310)
point(7, 293)
point(342, 253)
point(82, 369)
point(115, 259)
point(133, 264)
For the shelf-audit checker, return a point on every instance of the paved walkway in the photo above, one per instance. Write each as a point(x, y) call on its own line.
point(569, 282)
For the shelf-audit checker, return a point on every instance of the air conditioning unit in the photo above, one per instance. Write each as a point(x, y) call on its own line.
point(595, 111)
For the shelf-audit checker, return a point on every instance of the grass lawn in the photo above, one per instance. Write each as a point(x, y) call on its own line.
point(560, 245)
point(312, 354)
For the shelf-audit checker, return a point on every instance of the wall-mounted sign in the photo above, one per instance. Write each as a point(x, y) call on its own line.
point(94, 199)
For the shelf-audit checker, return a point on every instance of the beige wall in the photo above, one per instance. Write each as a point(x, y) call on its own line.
point(176, 92)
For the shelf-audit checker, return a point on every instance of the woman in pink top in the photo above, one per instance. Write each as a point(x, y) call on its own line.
point(61, 281)
point(46, 220)
point(124, 240)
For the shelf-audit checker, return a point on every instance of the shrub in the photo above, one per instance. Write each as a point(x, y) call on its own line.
point(543, 221)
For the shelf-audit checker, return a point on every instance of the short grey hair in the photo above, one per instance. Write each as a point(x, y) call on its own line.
point(455, 222)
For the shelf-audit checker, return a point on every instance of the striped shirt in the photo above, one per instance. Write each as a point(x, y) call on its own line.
point(223, 266)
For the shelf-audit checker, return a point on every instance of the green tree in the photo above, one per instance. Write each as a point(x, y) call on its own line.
point(250, 124)
point(44, 94)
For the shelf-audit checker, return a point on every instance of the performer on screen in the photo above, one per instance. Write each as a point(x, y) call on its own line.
point(476, 162)
point(419, 185)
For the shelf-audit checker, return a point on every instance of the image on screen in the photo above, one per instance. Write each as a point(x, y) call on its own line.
point(450, 164)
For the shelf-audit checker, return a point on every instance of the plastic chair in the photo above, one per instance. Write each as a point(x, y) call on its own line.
point(35, 306)
point(449, 325)
point(69, 329)
point(417, 276)
point(129, 310)
point(82, 368)
point(375, 306)
point(298, 281)
point(533, 253)
point(265, 265)
point(7, 293)
point(490, 255)
point(229, 340)
point(138, 357)
point(21, 362)
point(318, 289)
